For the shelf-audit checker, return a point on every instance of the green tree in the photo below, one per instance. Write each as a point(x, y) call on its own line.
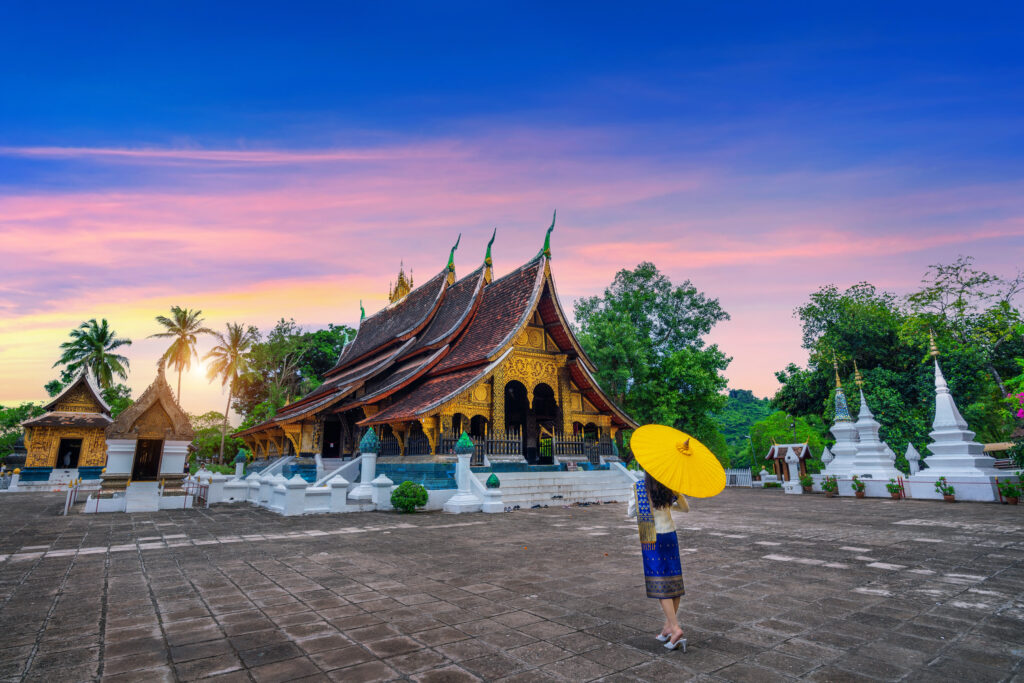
point(91, 346)
point(228, 361)
point(208, 432)
point(10, 424)
point(646, 337)
point(287, 363)
point(782, 428)
point(183, 327)
point(741, 411)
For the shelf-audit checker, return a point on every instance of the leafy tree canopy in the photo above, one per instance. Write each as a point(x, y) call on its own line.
point(92, 346)
point(10, 424)
point(976, 328)
point(646, 337)
point(285, 364)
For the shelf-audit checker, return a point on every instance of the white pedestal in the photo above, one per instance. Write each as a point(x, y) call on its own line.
point(464, 500)
point(367, 472)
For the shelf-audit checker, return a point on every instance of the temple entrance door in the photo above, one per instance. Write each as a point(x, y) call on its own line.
point(517, 412)
point(67, 453)
point(545, 419)
point(147, 459)
point(332, 439)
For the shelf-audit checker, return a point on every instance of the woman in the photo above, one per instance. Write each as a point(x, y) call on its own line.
point(659, 545)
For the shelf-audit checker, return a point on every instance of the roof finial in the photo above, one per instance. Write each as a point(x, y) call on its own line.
point(857, 377)
point(362, 311)
point(835, 366)
point(487, 257)
point(932, 348)
point(451, 256)
point(546, 249)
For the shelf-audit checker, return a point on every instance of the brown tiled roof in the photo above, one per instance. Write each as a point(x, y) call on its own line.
point(431, 393)
point(454, 313)
point(779, 451)
point(63, 419)
point(502, 311)
point(401, 375)
point(394, 323)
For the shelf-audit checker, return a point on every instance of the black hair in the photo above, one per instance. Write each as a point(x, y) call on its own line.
point(661, 496)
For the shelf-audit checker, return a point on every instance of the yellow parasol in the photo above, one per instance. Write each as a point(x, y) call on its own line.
point(678, 461)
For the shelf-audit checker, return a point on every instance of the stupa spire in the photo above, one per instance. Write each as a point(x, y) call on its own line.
point(842, 407)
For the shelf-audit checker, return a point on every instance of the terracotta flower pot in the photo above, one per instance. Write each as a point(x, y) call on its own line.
point(1012, 500)
point(808, 489)
point(859, 494)
point(949, 499)
point(830, 494)
point(895, 495)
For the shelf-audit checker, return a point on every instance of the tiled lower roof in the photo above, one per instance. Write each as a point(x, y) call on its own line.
point(63, 419)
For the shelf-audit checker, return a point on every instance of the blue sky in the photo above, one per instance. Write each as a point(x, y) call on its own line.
point(749, 147)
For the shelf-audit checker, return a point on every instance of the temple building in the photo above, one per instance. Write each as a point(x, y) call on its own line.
point(492, 357)
point(67, 442)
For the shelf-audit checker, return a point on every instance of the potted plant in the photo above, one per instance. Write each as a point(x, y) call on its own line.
point(830, 486)
point(858, 487)
point(894, 489)
point(1011, 490)
point(807, 482)
point(946, 489)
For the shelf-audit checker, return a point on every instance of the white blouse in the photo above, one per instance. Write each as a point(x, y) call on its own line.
point(663, 523)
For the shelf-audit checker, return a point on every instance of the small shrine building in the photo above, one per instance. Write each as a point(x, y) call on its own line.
point(67, 441)
point(494, 357)
point(777, 456)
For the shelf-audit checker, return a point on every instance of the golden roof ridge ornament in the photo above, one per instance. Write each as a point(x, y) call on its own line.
point(488, 262)
point(546, 249)
point(402, 286)
point(451, 261)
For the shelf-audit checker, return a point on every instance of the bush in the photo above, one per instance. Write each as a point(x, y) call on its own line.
point(830, 485)
point(773, 485)
point(408, 496)
point(807, 481)
point(857, 485)
point(944, 487)
point(892, 486)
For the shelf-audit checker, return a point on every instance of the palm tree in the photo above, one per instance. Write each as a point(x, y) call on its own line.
point(183, 326)
point(90, 347)
point(228, 361)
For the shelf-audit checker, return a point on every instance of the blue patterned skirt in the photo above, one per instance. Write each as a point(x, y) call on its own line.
point(663, 571)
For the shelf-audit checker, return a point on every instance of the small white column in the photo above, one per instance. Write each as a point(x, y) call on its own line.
point(464, 500)
point(339, 493)
point(382, 492)
point(913, 459)
point(367, 471)
point(295, 496)
point(793, 484)
point(14, 479)
point(215, 493)
point(239, 469)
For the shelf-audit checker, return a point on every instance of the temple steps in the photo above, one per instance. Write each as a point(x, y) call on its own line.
point(142, 496)
point(527, 489)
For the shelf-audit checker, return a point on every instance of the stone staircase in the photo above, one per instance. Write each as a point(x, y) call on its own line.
point(527, 489)
point(142, 496)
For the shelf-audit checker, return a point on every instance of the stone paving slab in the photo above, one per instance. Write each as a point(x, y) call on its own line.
point(778, 588)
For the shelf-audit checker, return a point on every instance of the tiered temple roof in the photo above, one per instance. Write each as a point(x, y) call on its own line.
point(441, 338)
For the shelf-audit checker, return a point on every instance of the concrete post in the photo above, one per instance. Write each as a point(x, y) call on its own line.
point(215, 493)
point(239, 470)
point(295, 496)
point(492, 501)
point(382, 492)
point(339, 493)
point(464, 500)
point(367, 471)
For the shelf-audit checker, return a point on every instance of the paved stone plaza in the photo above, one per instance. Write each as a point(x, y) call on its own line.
point(778, 587)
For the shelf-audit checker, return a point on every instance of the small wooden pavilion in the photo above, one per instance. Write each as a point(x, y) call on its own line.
point(777, 456)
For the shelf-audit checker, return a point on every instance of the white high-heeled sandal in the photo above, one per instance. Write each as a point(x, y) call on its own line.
point(662, 638)
point(676, 645)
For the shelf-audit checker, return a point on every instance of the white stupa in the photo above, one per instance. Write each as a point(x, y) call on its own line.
point(845, 433)
point(872, 460)
point(955, 454)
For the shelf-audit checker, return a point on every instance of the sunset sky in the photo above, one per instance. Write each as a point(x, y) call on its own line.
point(260, 161)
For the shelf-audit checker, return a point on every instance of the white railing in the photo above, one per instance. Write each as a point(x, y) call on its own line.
point(349, 469)
point(739, 477)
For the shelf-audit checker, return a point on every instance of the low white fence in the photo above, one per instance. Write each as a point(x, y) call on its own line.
point(739, 477)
